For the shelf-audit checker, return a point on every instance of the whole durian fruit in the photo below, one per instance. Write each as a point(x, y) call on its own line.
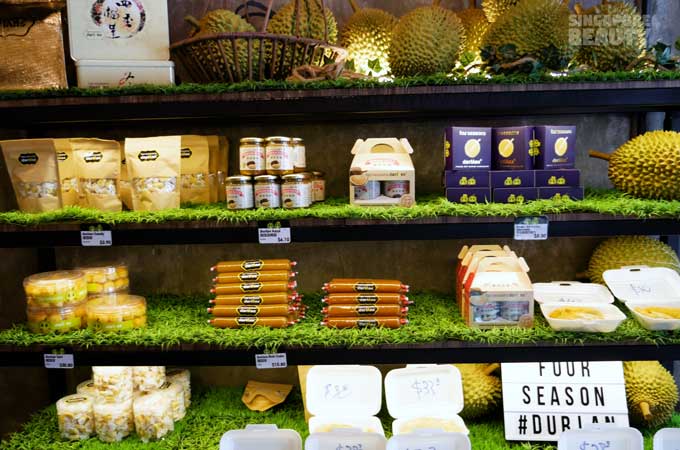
point(647, 166)
point(618, 42)
point(223, 21)
point(622, 251)
point(651, 392)
point(311, 24)
point(482, 391)
point(495, 8)
point(476, 25)
point(367, 38)
point(425, 41)
point(536, 28)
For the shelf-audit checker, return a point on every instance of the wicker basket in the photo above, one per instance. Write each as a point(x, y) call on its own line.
point(234, 57)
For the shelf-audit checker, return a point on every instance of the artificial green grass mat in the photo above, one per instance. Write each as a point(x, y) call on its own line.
point(215, 411)
point(433, 318)
point(596, 201)
point(433, 80)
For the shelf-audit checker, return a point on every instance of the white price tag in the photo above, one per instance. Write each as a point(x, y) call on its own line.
point(274, 235)
point(96, 238)
point(271, 361)
point(531, 228)
point(58, 361)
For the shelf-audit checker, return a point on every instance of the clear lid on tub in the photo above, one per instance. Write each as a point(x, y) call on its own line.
point(344, 391)
point(643, 283)
point(115, 304)
point(58, 280)
point(75, 403)
point(619, 438)
point(423, 391)
point(345, 438)
point(667, 439)
point(258, 437)
point(111, 271)
point(428, 439)
point(87, 387)
point(571, 292)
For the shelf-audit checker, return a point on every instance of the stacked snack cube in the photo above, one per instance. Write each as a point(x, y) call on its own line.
point(120, 400)
point(255, 293)
point(364, 303)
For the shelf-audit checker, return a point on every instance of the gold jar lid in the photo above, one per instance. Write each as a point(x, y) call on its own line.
point(238, 179)
point(296, 177)
point(278, 139)
point(298, 141)
point(318, 174)
point(252, 140)
point(266, 179)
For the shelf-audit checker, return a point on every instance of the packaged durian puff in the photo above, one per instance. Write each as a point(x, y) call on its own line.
point(113, 421)
point(154, 170)
point(67, 172)
point(148, 378)
point(116, 312)
point(56, 289)
point(56, 319)
point(106, 279)
point(153, 415)
point(75, 417)
point(195, 187)
point(98, 167)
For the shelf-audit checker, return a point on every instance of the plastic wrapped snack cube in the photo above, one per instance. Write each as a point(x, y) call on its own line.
point(148, 378)
point(152, 412)
point(55, 289)
point(75, 416)
point(183, 377)
point(113, 421)
point(113, 383)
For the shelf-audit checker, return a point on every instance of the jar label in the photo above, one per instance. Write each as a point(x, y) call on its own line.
point(279, 158)
point(319, 190)
point(240, 197)
point(293, 197)
point(252, 158)
point(267, 196)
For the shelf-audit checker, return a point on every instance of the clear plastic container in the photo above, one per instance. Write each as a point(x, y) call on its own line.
point(428, 439)
point(106, 279)
point(153, 419)
point(148, 378)
point(258, 437)
point(75, 416)
point(345, 438)
point(56, 319)
point(113, 421)
point(87, 387)
point(177, 407)
point(183, 378)
point(56, 289)
point(116, 312)
point(623, 438)
point(113, 383)
point(667, 439)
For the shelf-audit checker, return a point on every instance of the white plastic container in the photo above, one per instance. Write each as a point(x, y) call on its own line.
point(565, 294)
point(428, 439)
point(75, 417)
point(110, 29)
point(110, 74)
point(619, 438)
point(258, 437)
point(425, 397)
point(346, 438)
point(344, 397)
point(113, 383)
point(667, 439)
point(645, 287)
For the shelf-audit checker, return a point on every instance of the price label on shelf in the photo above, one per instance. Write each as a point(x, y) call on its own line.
point(277, 232)
point(58, 361)
point(271, 361)
point(531, 228)
point(95, 236)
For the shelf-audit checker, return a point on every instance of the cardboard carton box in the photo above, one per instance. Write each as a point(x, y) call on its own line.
point(466, 178)
point(558, 147)
point(561, 177)
point(467, 148)
point(514, 148)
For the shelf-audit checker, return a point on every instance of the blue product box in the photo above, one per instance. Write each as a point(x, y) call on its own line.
point(466, 178)
point(558, 147)
point(514, 148)
point(467, 148)
point(564, 177)
point(468, 195)
point(512, 178)
point(514, 195)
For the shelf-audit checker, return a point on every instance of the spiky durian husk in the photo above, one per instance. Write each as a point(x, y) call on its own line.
point(425, 41)
point(622, 251)
point(616, 44)
point(649, 383)
point(482, 391)
point(536, 28)
point(476, 25)
point(493, 9)
point(222, 21)
point(311, 24)
point(367, 37)
point(648, 166)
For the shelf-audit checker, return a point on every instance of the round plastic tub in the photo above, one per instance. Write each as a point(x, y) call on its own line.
point(64, 319)
point(113, 383)
point(56, 289)
point(148, 378)
point(153, 418)
point(116, 312)
point(76, 421)
point(113, 421)
point(106, 279)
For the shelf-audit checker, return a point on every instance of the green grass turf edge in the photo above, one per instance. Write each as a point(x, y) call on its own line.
point(609, 202)
point(433, 318)
point(215, 411)
point(432, 80)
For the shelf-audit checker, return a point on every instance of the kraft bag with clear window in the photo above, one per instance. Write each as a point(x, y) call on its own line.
point(154, 169)
point(98, 168)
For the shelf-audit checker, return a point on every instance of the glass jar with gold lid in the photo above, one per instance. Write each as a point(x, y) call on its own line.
point(252, 160)
point(279, 156)
point(299, 155)
point(296, 191)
